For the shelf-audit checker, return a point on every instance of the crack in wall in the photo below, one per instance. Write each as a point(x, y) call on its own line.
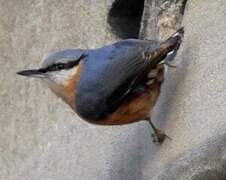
point(161, 18)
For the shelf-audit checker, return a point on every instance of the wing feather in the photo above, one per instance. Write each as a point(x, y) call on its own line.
point(109, 74)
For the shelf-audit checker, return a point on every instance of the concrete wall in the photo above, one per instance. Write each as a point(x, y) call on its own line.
point(192, 106)
point(42, 139)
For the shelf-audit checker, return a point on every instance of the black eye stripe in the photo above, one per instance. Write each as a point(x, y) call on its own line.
point(60, 66)
point(53, 67)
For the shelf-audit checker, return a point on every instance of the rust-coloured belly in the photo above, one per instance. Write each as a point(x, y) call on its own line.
point(135, 108)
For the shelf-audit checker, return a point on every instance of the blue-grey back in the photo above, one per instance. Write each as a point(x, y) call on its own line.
point(107, 69)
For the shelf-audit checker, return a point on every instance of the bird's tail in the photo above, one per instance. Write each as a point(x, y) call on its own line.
point(172, 44)
point(168, 49)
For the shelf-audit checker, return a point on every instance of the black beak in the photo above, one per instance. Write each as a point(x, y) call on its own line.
point(35, 73)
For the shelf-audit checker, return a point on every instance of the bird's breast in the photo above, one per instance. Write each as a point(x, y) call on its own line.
point(135, 108)
point(67, 90)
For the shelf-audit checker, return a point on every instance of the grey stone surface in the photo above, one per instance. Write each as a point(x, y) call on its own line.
point(169, 16)
point(42, 139)
point(149, 21)
point(192, 106)
point(205, 162)
point(161, 18)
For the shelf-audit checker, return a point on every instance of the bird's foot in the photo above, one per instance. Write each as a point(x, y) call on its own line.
point(170, 65)
point(159, 136)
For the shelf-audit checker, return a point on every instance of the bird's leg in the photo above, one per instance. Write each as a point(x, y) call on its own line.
point(155, 79)
point(158, 135)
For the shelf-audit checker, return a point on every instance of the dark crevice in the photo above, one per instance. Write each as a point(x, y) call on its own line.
point(183, 6)
point(124, 18)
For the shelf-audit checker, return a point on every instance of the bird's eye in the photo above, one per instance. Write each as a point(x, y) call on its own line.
point(56, 67)
point(60, 66)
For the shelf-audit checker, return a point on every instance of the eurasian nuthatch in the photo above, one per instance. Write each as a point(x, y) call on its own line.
point(112, 85)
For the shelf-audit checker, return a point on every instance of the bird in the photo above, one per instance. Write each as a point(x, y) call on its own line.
point(116, 84)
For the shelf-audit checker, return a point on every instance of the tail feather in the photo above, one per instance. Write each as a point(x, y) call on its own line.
point(168, 49)
point(173, 42)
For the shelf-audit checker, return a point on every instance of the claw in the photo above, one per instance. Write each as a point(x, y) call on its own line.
point(159, 136)
point(170, 65)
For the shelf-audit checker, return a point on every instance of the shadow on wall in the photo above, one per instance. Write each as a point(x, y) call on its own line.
point(124, 18)
point(130, 153)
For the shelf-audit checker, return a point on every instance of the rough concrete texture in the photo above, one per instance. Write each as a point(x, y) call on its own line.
point(149, 21)
point(192, 106)
point(161, 18)
point(205, 162)
point(42, 139)
point(169, 16)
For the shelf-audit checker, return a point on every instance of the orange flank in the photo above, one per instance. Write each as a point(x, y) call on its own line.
point(67, 91)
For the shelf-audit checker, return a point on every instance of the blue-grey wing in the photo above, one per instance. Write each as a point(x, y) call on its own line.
point(109, 74)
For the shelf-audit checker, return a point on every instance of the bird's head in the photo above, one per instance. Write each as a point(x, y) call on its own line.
point(61, 71)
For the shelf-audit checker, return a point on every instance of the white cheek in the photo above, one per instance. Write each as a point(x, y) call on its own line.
point(62, 77)
point(59, 77)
